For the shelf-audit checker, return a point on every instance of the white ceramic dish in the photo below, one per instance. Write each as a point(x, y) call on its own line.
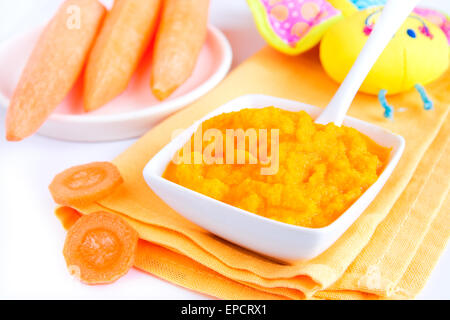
point(268, 237)
point(132, 113)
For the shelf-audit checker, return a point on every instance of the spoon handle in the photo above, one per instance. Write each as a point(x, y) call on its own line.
point(392, 17)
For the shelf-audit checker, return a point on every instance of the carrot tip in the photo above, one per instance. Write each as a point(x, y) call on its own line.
point(160, 94)
point(12, 137)
point(90, 106)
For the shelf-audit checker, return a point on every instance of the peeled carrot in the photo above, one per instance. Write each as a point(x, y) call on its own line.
point(85, 184)
point(53, 67)
point(123, 39)
point(180, 37)
point(100, 248)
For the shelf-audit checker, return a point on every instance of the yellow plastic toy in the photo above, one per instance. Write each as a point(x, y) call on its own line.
point(417, 55)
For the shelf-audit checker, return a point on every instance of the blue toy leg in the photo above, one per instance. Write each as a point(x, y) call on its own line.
point(388, 110)
point(427, 103)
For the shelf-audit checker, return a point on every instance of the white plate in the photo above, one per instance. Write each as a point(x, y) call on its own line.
point(268, 237)
point(133, 112)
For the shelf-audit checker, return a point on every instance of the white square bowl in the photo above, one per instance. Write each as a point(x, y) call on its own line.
point(268, 237)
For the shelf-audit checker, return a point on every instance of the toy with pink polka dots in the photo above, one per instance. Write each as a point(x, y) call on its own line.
point(292, 19)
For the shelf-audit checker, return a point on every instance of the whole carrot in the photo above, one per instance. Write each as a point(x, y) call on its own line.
point(122, 41)
point(179, 39)
point(53, 67)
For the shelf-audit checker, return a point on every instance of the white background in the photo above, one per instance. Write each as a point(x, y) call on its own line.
point(31, 238)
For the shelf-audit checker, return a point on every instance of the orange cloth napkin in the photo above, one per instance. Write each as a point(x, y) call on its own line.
point(387, 253)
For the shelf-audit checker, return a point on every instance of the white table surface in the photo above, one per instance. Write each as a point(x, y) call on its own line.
point(31, 238)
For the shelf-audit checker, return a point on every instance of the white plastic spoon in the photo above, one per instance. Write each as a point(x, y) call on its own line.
point(392, 17)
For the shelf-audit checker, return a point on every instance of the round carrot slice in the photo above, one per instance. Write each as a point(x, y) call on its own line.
point(100, 248)
point(85, 184)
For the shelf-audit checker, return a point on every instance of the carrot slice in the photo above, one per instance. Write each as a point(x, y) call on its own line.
point(85, 184)
point(180, 37)
point(53, 67)
point(100, 248)
point(122, 41)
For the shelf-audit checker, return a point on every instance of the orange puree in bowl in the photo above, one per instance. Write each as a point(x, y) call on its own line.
point(321, 170)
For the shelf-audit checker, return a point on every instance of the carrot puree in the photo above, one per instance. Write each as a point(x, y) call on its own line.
point(321, 169)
